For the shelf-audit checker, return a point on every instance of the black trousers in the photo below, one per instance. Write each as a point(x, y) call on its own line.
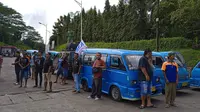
point(38, 72)
point(96, 87)
point(17, 72)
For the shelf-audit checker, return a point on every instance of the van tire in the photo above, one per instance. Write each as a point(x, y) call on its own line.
point(85, 85)
point(115, 93)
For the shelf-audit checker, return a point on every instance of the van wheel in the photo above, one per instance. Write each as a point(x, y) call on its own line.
point(85, 86)
point(115, 93)
point(163, 91)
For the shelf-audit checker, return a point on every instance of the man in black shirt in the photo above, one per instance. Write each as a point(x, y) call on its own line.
point(39, 63)
point(17, 68)
point(48, 69)
point(145, 78)
point(76, 71)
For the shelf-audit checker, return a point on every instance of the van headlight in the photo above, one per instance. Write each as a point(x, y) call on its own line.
point(134, 82)
point(158, 79)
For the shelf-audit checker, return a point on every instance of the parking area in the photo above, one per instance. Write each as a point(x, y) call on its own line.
point(14, 99)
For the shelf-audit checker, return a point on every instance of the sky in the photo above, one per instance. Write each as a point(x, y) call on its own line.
point(48, 11)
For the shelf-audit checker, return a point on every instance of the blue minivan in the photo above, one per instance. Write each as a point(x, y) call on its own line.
point(195, 76)
point(120, 78)
point(182, 71)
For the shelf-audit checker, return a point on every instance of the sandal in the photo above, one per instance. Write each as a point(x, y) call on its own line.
point(142, 107)
point(152, 106)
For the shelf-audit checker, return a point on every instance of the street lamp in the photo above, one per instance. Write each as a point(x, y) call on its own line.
point(157, 28)
point(45, 37)
point(80, 4)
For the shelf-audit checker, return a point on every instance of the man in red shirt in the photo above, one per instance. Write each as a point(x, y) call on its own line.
point(98, 65)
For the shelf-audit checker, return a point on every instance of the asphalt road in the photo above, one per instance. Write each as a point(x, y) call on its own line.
point(15, 99)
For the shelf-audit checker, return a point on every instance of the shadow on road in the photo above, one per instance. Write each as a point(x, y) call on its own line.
point(182, 93)
point(136, 103)
point(196, 89)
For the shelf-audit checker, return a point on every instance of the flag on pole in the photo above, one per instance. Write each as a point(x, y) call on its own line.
point(80, 47)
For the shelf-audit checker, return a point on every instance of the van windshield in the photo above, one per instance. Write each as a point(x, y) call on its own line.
point(178, 59)
point(132, 61)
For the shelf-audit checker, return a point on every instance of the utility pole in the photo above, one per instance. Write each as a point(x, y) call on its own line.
point(157, 28)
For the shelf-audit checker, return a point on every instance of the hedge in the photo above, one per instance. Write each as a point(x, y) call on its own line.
point(179, 44)
point(165, 44)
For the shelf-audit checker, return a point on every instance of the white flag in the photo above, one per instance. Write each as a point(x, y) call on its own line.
point(80, 47)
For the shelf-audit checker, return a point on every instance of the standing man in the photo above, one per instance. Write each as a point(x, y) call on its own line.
point(48, 70)
point(39, 63)
point(1, 61)
point(65, 69)
point(24, 63)
point(33, 65)
point(59, 68)
point(170, 70)
point(145, 78)
point(97, 67)
point(17, 67)
point(76, 72)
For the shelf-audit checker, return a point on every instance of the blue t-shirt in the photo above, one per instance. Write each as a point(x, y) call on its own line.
point(171, 70)
point(24, 62)
point(59, 63)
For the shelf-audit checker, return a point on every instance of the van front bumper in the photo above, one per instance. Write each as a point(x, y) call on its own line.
point(134, 93)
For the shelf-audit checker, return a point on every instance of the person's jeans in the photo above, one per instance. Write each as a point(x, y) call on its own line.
point(36, 77)
point(96, 87)
point(17, 72)
point(77, 81)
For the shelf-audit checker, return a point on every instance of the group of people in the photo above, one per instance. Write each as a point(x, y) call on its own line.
point(41, 65)
point(170, 71)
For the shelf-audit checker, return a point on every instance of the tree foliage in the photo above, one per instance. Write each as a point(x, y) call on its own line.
point(14, 31)
point(133, 21)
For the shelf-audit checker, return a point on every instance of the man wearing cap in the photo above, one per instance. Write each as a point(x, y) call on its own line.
point(170, 71)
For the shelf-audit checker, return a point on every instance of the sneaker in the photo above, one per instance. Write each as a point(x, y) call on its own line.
point(96, 98)
point(34, 86)
point(173, 104)
point(167, 106)
point(74, 91)
point(89, 97)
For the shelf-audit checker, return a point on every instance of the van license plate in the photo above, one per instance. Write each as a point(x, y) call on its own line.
point(184, 84)
point(153, 88)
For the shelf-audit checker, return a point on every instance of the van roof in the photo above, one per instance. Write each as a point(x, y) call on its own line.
point(166, 52)
point(115, 51)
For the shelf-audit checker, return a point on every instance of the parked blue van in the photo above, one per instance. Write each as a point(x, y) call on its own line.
point(195, 76)
point(30, 52)
point(182, 71)
point(120, 78)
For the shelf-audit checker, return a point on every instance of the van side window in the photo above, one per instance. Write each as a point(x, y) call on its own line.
point(90, 58)
point(198, 66)
point(116, 62)
point(157, 62)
